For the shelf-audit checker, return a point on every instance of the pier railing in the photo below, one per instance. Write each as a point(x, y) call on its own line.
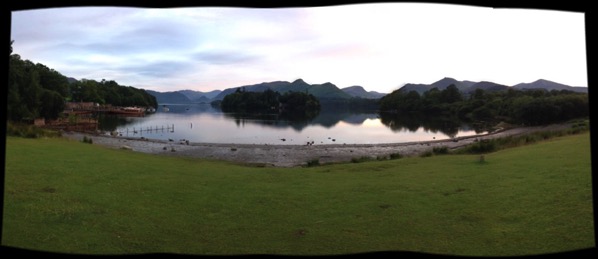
point(141, 130)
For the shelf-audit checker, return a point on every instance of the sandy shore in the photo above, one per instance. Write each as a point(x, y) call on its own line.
point(291, 155)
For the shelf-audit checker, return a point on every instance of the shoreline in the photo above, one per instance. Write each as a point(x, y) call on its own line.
point(292, 155)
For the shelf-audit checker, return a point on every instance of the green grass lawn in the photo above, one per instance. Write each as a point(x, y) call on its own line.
point(70, 197)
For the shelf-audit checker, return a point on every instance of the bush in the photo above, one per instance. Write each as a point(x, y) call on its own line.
point(313, 162)
point(29, 131)
point(87, 140)
point(360, 159)
point(428, 153)
point(440, 150)
point(395, 156)
point(381, 158)
point(483, 146)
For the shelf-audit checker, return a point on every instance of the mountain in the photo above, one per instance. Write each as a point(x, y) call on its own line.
point(445, 82)
point(71, 80)
point(203, 99)
point(331, 91)
point(196, 95)
point(327, 91)
point(469, 86)
point(320, 91)
point(169, 97)
point(487, 86)
point(358, 91)
point(440, 84)
point(419, 88)
point(250, 88)
point(184, 96)
point(549, 85)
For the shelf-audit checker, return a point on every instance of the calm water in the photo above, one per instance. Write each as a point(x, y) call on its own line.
point(203, 123)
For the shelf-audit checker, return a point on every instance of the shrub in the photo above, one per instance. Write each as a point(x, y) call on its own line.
point(360, 159)
point(440, 150)
point(29, 131)
point(395, 156)
point(87, 140)
point(381, 158)
point(428, 153)
point(483, 146)
point(313, 162)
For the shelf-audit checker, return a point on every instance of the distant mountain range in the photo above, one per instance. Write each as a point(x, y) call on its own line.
point(358, 91)
point(469, 86)
point(328, 91)
point(321, 91)
point(184, 96)
point(549, 85)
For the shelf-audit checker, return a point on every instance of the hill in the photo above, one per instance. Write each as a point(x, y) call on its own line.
point(470, 86)
point(358, 91)
point(487, 86)
point(198, 96)
point(549, 85)
point(320, 91)
point(169, 97)
point(440, 84)
point(329, 91)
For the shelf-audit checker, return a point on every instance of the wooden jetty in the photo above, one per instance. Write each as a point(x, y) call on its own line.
point(156, 129)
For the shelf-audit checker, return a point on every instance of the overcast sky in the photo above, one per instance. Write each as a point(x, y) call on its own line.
point(378, 46)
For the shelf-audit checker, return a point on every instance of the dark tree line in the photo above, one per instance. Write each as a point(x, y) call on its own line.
point(110, 92)
point(295, 103)
point(528, 107)
point(35, 90)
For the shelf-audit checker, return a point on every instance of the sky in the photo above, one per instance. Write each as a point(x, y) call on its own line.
point(378, 46)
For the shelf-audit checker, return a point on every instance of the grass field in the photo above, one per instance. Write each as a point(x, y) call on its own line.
point(71, 197)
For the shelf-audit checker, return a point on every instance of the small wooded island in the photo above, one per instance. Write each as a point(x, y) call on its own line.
point(289, 104)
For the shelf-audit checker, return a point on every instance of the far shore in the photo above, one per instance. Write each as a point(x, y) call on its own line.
point(292, 155)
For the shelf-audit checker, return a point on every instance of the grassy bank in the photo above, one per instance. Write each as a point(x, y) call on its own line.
point(70, 197)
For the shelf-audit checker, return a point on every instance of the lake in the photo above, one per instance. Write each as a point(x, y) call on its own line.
point(204, 123)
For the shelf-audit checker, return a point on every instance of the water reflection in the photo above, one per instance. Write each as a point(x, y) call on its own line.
point(204, 123)
point(412, 122)
point(326, 119)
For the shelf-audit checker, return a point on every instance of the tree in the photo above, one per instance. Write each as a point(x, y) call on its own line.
point(52, 104)
point(450, 95)
point(30, 92)
point(52, 80)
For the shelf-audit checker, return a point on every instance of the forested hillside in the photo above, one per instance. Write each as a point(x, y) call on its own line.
point(528, 107)
point(35, 90)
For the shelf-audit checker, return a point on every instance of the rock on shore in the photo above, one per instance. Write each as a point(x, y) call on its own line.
point(291, 155)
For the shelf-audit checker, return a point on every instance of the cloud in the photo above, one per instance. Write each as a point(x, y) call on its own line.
point(158, 69)
point(222, 57)
point(379, 46)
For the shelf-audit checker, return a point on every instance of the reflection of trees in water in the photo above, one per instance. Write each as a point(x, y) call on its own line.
point(327, 119)
point(110, 122)
point(413, 121)
point(297, 121)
